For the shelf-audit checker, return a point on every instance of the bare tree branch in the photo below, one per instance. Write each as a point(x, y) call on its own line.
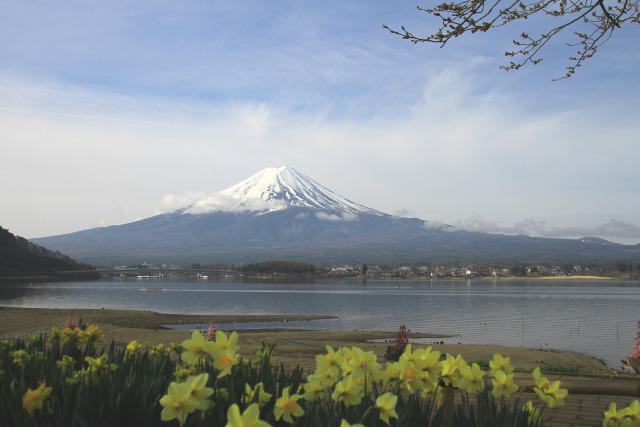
point(471, 16)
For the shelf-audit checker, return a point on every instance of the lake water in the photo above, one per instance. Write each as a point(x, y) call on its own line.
point(597, 318)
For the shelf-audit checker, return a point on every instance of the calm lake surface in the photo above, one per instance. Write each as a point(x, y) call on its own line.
point(597, 318)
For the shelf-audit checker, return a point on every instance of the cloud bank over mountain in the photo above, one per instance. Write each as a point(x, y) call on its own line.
point(529, 227)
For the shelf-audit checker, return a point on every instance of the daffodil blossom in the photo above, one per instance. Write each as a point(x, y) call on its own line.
point(632, 414)
point(363, 362)
point(223, 343)
point(225, 361)
point(500, 364)
point(451, 369)
point(531, 411)
point(93, 335)
point(287, 406)
point(20, 358)
point(329, 362)
point(98, 367)
point(249, 418)
point(197, 348)
point(472, 378)
point(313, 389)
point(34, 399)
point(430, 362)
point(74, 337)
point(199, 391)
point(503, 385)
point(613, 417)
point(386, 403)
point(66, 364)
point(347, 391)
point(251, 393)
point(177, 403)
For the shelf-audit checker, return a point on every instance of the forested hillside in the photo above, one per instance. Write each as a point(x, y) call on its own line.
point(19, 257)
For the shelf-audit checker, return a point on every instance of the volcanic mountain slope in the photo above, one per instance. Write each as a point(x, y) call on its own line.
point(281, 213)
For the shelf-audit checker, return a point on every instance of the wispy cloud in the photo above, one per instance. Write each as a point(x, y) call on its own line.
point(612, 228)
point(334, 217)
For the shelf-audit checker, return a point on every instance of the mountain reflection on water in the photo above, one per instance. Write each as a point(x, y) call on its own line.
point(597, 318)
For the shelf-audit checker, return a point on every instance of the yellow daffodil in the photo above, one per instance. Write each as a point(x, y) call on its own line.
point(472, 378)
point(184, 370)
point(531, 411)
point(199, 390)
point(74, 337)
point(386, 404)
point(34, 399)
point(432, 391)
point(160, 350)
point(500, 364)
point(133, 349)
point(613, 417)
point(223, 343)
point(324, 378)
point(347, 391)
point(541, 382)
point(550, 393)
point(97, 368)
point(632, 414)
point(313, 389)
point(391, 374)
point(345, 423)
point(225, 361)
point(555, 394)
point(20, 358)
point(197, 348)
point(93, 335)
point(430, 362)
point(287, 406)
point(258, 390)
point(265, 356)
point(177, 403)
point(451, 369)
point(347, 354)
point(66, 364)
point(249, 418)
point(411, 378)
point(329, 362)
point(503, 385)
point(363, 362)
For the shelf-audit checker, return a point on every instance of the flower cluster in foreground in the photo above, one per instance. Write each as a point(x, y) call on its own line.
point(70, 380)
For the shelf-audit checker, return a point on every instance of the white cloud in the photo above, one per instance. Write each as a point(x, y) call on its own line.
point(334, 217)
point(612, 229)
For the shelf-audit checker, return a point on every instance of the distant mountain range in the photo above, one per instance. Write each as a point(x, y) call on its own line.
point(280, 213)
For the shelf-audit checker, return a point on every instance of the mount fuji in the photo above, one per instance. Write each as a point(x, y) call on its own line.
point(280, 213)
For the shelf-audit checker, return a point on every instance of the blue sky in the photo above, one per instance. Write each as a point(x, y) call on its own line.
point(109, 107)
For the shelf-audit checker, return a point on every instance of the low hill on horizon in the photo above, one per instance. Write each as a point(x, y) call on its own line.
point(20, 257)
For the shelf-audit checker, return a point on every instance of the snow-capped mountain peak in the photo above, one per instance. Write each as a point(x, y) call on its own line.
point(275, 189)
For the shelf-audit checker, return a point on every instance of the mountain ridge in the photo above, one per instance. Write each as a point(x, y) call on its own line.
point(280, 213)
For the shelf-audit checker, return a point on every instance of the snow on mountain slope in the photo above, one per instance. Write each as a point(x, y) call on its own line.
point(275, 189)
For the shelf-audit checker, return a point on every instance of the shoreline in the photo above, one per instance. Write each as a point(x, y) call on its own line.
point(292, 346)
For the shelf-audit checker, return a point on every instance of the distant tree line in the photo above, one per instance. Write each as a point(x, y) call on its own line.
point(18, 256)
point(280, 267)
